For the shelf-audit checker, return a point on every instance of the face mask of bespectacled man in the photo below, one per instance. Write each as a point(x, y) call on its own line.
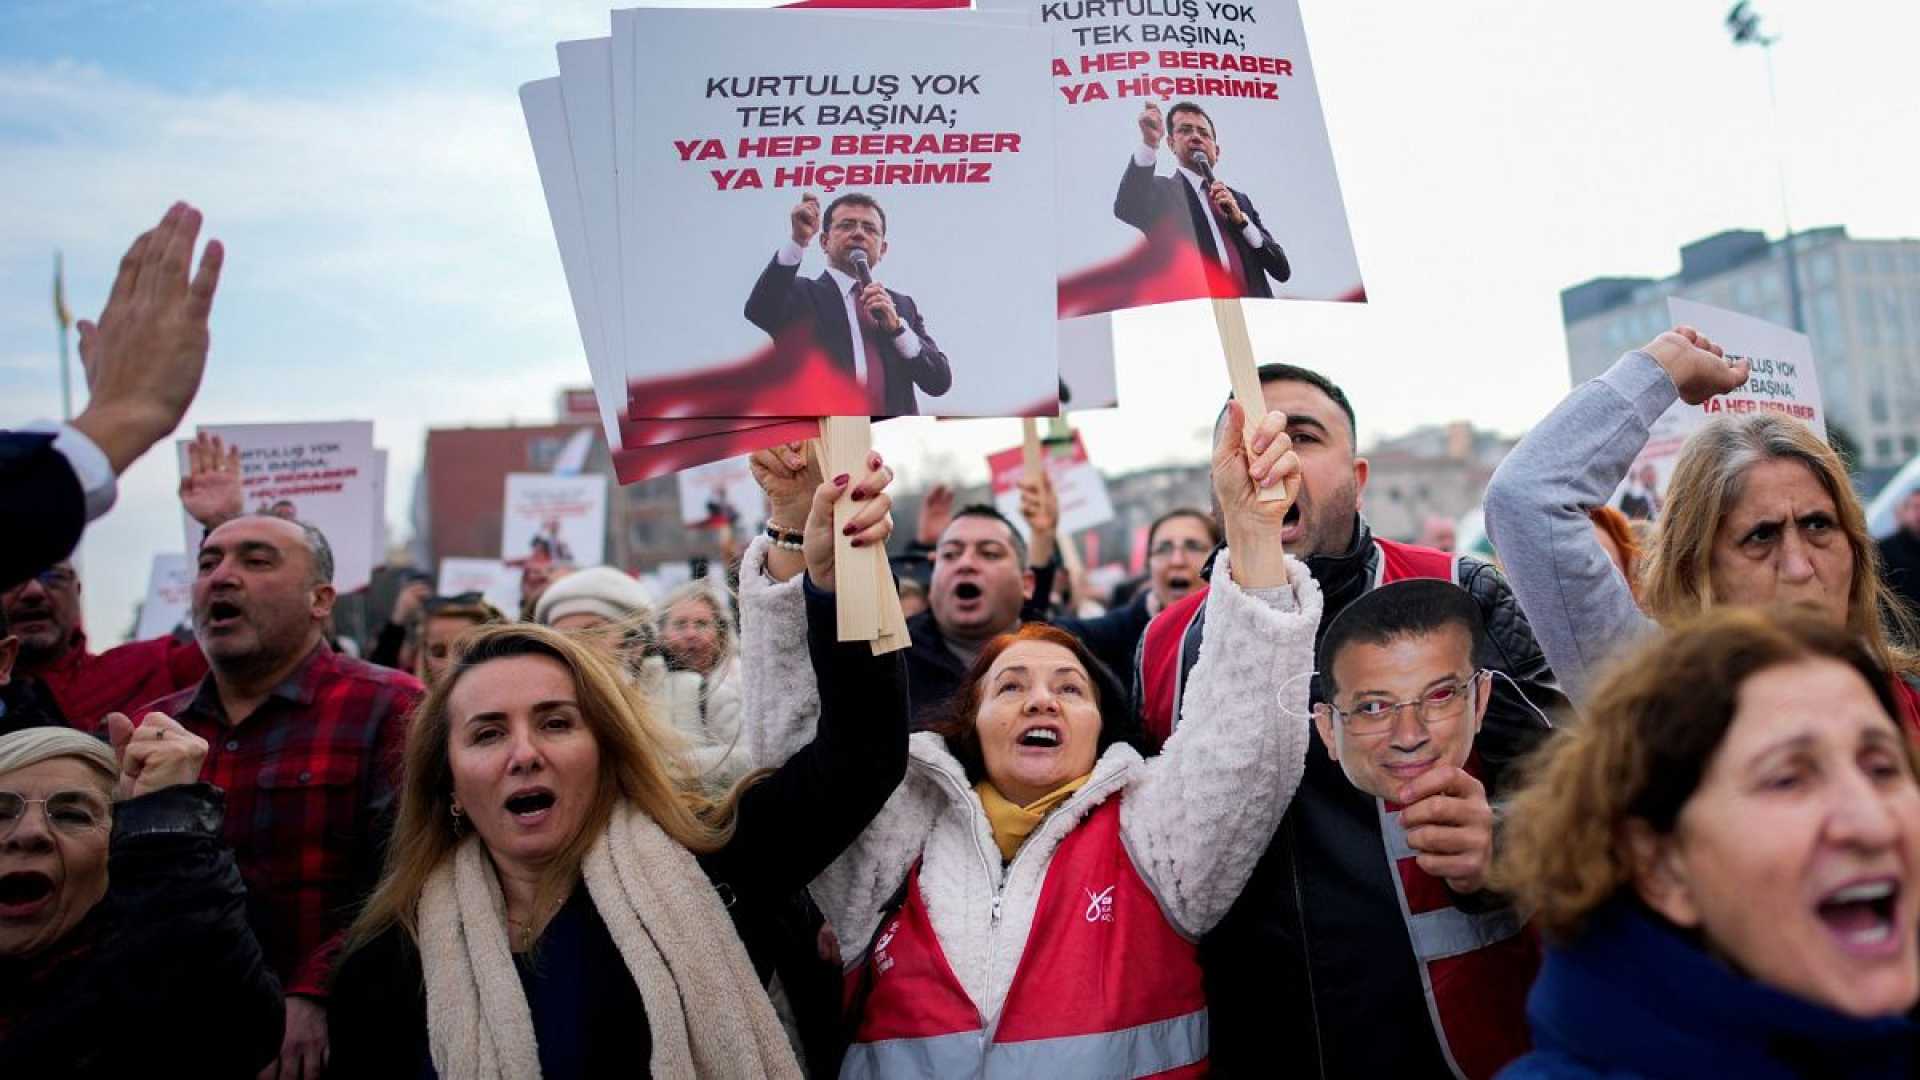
point(1403, 707)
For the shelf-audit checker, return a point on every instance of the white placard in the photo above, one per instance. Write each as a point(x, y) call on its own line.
point(732, 125)
point(550, 518)
point(1082, 491)
point(1784, 380)
point(169, 601)
point(1130, 232)
point(722, 492)
point(321, 474)
point(492, 578)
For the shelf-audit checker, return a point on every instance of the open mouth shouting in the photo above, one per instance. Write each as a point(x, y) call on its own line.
point(1040, 738)
point(531, 806)
point(24, 894)
point(968, 595)
point(223, 615)
point(1292, 527)
point(1860, 917)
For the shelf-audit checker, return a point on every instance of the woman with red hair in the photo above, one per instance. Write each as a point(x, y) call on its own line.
point(1027, 901)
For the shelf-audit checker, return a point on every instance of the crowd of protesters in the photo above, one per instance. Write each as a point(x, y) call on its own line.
point(1311, 802)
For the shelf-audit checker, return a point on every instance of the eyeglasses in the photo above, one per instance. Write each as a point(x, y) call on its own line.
point(74, 813)
point(54, 577)
point(1165, 549)
point(1442, 704)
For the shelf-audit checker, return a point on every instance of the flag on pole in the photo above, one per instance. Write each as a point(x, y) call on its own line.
point(60, 312)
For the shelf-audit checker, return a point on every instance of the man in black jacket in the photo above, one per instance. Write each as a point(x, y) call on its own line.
point(981, 581)
point(874, 334)
point(1189, 207)
point(1315, 963)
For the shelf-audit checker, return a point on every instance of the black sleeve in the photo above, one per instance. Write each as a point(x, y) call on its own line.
point(377, 1011)
point(796, 821)
point(181, 912)
point(42, 508)
point(775, 300)
point(386, 648)
point(1268, 254)
point(929, 370)
point(1134, 202)
point(1039, 606)
point(1517, 714)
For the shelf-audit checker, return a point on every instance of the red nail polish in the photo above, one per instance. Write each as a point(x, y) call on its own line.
point(841, 480)
point(848, 531)
point(859, 543)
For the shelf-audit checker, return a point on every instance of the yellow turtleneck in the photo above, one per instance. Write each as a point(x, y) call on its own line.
point(1012, 823)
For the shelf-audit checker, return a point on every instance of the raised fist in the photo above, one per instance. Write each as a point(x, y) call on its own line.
point(1698, 367)
point(157, 754)
point(806, 219)
point(1153, 127)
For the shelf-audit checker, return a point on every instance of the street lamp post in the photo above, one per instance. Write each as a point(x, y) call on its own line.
point(1744, 24)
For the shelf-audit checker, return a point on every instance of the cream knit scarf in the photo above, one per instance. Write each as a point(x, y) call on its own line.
point(706, 1008)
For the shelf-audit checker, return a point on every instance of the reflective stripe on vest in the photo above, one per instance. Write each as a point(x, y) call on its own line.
point(1147, 1050)
point(1476, 968)
point(1447, 931)
point(1105, 986)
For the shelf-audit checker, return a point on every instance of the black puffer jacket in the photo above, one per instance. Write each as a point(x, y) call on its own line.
point(163, 977)
point(1313, 965)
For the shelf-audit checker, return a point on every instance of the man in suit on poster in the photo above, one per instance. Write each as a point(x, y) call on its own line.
point(845, 306)
point(1225, 225)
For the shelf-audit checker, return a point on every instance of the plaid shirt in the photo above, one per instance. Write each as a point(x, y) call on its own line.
point(308, 776)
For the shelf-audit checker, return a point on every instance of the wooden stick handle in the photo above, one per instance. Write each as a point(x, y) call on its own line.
point(1231, 319)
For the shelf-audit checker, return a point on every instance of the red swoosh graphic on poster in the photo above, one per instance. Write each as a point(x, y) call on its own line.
point(792, 377)
point(1164, 267)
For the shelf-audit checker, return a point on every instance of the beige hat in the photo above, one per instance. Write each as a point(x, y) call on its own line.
point(601, 590)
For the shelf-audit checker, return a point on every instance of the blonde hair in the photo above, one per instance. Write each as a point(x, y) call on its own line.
point(1677, 577)
point(640, 761)
point(1655, 721)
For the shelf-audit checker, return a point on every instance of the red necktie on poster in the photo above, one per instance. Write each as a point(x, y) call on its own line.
point(1230, 258)
point(876, 360)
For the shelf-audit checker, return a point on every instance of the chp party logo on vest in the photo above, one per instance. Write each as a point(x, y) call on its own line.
point(1099, 904)
point(882, 962)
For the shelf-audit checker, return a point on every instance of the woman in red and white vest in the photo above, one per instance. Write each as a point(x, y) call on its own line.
point(1026, 903)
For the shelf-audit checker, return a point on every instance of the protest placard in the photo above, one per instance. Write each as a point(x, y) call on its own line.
point(320, 474)
point(1784, 380)
point(1082, 491)
point(722, 493)
point(169, 601)
point(548, 518)
point(1138, 89)
point(738, 127)
point(493, 579)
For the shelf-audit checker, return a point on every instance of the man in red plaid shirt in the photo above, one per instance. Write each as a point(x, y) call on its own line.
point(306, 743)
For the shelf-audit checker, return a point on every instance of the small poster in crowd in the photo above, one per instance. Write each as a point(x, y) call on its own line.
point(1784, 380)
point(321, 474)
point(493, 579)
point(169, 602)
point(1082, 491)
point(721, 494)
point(865, 194)
point(550, 519)
point(1193, 155)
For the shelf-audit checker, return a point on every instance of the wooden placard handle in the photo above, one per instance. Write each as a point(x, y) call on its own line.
point(1231, 319)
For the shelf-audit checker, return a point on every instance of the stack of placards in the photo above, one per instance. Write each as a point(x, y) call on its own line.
point(766, 217)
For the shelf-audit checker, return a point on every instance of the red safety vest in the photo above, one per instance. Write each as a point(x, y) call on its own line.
point(1164, 644)
point(1105, 988)
point(1476, 967)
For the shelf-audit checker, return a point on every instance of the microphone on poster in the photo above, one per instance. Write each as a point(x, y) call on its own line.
point(859, 259)
point(1198, 159)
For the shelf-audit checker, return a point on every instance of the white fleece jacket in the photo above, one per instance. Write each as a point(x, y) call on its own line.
point(1194, 820)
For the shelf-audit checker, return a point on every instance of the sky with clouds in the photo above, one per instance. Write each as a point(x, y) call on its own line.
point(389, 255)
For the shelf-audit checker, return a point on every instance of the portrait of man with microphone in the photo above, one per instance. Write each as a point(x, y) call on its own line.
point(1193, 205)
point(875, 334)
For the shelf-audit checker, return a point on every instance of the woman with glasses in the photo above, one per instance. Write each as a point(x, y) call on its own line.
point(124, 945)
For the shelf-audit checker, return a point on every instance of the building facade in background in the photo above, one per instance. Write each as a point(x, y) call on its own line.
point(1859, 303)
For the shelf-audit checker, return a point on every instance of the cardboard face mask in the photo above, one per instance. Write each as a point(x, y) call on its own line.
point(1403, 693)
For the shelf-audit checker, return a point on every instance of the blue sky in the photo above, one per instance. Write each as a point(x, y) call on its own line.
point(390, 258)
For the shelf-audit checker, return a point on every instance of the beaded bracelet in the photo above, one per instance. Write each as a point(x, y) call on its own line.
point(785, 538)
